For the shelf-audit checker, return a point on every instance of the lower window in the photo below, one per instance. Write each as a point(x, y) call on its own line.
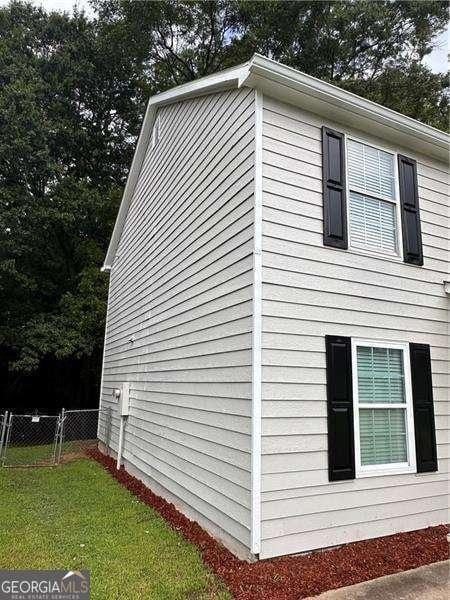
point(384, 430)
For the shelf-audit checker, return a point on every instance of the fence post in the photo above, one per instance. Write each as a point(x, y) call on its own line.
point(7, 437)
point(56, 440)
point(61, 435)
point(3, 433)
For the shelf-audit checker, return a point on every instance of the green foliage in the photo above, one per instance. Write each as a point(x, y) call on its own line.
point(346, 42)
point(77, 517)
point(72, 97)
point(68, 122)
point(412, 90)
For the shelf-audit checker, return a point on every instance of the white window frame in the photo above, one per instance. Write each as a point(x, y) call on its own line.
point(398, 255)
point(390, 468)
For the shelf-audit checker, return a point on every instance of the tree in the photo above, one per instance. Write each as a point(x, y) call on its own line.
point(373, 48)
point(68, 119)
point(72, 97)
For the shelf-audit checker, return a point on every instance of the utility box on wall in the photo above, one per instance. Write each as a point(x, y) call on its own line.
point(124, 400)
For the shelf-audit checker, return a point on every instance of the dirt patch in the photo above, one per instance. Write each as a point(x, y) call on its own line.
point(71, 456)
point(295, 577)
point(77, 450)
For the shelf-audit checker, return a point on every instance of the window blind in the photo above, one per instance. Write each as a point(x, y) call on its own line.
point(370, 170)
point(380, 375)
point(372, 223)
point(382, 436)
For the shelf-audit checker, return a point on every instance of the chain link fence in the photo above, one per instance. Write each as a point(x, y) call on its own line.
point(78, 431)
point(105, 426)
point(44, 440)
point(29, 440)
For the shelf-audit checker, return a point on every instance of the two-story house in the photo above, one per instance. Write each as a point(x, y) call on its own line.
point(278, 314)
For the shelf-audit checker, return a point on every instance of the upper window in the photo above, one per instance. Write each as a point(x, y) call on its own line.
point(370, 199)
point(384, 435)
point(373, 210)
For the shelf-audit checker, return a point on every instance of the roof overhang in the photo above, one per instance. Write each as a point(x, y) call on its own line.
point(294, 87)
point(336, 104)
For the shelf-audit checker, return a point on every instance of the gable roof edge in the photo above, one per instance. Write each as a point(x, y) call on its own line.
point(229, 78)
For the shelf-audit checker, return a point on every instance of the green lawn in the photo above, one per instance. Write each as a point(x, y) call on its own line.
point(75, 516)
point(42, 455)
point(29, 455)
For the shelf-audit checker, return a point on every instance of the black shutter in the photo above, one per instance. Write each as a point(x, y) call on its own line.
point(422, 391)
point(409, 199)
point(334, 192)
point(341, 448)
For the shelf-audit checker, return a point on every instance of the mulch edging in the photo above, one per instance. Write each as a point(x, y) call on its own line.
point(295, 577)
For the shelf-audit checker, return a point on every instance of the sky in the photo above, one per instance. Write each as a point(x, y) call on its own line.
point(65, 5)
point(437, 60)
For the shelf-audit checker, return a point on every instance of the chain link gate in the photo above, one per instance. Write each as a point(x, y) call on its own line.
point(29, 440)
point(78, 431)
point(45, 440)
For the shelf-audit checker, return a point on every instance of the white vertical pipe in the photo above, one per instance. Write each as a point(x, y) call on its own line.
point(256, 332)
point(119, 450)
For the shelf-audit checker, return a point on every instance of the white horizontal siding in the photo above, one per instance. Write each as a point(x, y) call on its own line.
point(310, 291)
point(180, 310)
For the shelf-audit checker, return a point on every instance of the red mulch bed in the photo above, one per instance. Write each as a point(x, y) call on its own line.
point(295, 577)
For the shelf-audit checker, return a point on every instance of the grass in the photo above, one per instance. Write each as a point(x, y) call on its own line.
point(42, 455)
point(75, 516)
point(29, 455)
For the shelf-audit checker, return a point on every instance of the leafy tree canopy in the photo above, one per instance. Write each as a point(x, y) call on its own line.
point(374, 48)
point(72, 96)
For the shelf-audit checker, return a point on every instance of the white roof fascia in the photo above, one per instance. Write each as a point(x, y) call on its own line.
point(336, 104)
point(229, 78)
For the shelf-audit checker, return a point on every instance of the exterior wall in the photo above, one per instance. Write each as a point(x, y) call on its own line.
point(180, 311)
point(309, 291)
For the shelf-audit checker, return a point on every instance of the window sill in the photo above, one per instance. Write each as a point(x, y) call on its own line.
point(385, 257)
point(383, 471)
point(372, 253)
